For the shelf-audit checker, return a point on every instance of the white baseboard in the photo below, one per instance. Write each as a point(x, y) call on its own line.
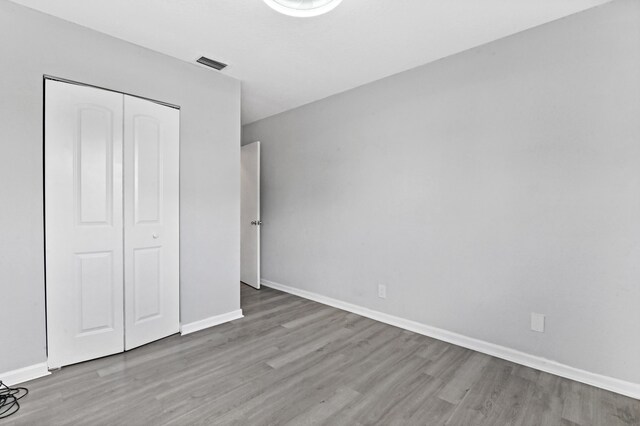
point(192, 327)
point(609, 383)
point(25, 374)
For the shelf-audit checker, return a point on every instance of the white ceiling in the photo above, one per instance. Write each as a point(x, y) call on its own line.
point(286, 62)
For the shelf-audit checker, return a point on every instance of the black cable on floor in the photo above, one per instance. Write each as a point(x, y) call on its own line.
point(9, 399)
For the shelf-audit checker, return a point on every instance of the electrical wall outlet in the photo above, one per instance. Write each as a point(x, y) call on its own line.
point(382, 291)
point(537, 322)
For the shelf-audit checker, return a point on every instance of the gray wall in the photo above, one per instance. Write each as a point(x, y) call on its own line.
point(33, 44)
point(480, 188)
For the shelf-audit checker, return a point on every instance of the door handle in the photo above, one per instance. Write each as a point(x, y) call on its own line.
point(155, 236)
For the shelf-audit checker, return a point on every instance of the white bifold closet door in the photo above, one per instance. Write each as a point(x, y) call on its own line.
point(111, 220)
point(151, 221)
point(84, 224)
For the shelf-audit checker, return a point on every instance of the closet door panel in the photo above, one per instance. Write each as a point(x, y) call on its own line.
point(83, 222)
point(151, 221)
point(147, 164)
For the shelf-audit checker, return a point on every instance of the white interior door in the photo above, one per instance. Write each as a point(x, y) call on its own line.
point(151, 221)
point(83, 222)
point(250, 215)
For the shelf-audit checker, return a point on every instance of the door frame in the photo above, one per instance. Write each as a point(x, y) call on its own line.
point(78, 83)
point(46, 77)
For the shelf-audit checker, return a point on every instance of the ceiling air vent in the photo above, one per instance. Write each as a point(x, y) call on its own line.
point(211, 63)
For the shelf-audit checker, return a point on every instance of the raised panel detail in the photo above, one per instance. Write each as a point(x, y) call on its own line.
point(147, 174)
point(94, 166)
point(147, 283)
point(95, 281)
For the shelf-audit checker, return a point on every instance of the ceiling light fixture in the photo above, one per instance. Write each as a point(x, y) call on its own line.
point(303, 8)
